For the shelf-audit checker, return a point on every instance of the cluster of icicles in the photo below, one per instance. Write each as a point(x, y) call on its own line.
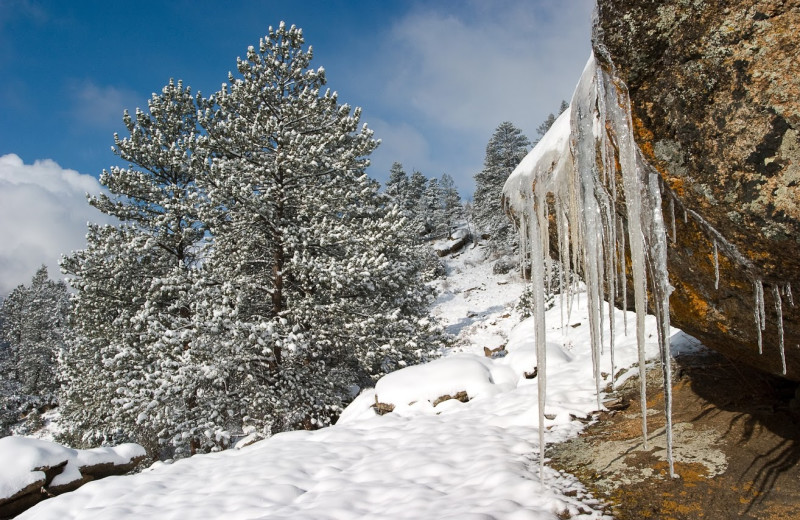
point(571, 179)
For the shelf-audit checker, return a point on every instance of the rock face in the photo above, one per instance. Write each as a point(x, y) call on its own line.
point(715, 94)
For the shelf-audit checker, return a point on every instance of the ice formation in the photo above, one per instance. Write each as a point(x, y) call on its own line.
point(571, 179)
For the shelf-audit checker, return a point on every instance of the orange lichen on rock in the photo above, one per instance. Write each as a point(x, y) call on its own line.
point(688, 302)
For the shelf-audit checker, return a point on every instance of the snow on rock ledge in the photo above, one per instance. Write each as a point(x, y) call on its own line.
point(587, 189)
point(426, 385)
point(34, 469)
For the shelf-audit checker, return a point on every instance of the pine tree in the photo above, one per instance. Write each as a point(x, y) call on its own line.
point(134, 320)
point(453, 209)
point(397, 186)
point(308, 247)
point(256, 275)
point(544, 126)
point(33, 331)
point(506, 148)
point(549, 120)
point(432, 209)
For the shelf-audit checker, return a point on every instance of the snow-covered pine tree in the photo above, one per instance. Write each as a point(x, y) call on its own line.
point(322, 280)
point(432, 209)
point(33, 329)
point(131, 373)
point(506, 148)
point(417, 182)
point(453, 209)
point(397, 186)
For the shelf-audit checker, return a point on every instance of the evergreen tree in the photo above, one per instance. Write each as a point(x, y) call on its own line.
point(33, 331)
point(397, 186)
point(128, 371)
point(549, 120)
point(506, 148)
point(326, 283)
point(453, 209)
point(256, 275)
point(544, 126)
point(417, 183)
point(432, 209)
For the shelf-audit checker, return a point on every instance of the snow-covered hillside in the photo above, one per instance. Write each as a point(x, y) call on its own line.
point(475, 459)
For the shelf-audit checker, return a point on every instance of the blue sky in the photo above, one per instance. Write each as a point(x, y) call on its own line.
point(434, 78)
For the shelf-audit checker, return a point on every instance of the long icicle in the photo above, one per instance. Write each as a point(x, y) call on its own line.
point(759, 312)
point(672, 219)
point(565, 165)
point(623, 276)
point(776, 293)
point(636, 240)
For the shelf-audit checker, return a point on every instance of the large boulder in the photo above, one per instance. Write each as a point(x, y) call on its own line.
point(715, 94)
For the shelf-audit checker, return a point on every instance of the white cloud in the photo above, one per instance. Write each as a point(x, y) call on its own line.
point(43, 211)
point(453, 75)
point(489, 65)
point(101, 106)
point(398, 140)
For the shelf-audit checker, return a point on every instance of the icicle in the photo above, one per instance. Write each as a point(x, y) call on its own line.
point(611, 276)
point(759, 311)
point(685, 216)
point(636, 239)
point(537, 238)
point(788, 292)
point(672, 219)
point(716, 266)
point(661, 290)
point(779, 310)
point(574, 166)
point(623, 276)
point(727, 247)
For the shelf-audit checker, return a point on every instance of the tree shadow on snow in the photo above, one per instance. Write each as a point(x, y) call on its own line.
point(471, 318)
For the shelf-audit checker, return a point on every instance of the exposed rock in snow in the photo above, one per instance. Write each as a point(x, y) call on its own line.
point(35, 469)
point(460, 239)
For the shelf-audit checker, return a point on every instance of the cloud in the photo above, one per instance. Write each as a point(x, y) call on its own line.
point(453, 75)
point(398, 140)
point(489, 65)
point(43, 211)
point(100, 106)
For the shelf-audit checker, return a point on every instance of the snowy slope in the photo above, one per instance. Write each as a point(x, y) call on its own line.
point(477, 459)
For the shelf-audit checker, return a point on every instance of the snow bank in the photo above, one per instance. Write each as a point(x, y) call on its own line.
point(457, 460)
point(475, 375)
point(30, 464)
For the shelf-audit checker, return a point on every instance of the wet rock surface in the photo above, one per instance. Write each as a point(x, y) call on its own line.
point(715, 94)
point(737, 445)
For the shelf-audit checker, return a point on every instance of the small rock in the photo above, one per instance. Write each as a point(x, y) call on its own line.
point(460, 396)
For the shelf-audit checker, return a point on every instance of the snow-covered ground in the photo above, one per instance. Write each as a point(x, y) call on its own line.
point(460, 460)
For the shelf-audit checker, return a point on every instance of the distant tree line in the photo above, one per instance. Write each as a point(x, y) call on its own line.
point(432, 205)
point(33, 333)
